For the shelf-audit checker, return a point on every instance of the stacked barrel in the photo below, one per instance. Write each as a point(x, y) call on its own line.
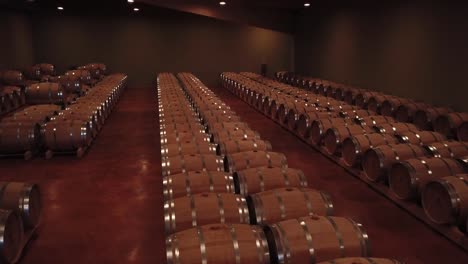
point(20, 213)
point(12, 95)
point(444, 120)
point(65, 114)
point(413, 163)
point(230, 198)
point(73, 130)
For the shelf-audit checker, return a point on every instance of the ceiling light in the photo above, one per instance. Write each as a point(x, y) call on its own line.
point(136, 9)
point(130, 1)
point(60, 7)
point(307, 4)
point(222, 3)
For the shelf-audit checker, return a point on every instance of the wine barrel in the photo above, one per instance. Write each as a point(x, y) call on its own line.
point(356, 114)
point(390, 105)
point(70, 83)
point(11, 236)
point(335, 136)
point(242, 145)
point(188, 148)
point(294, 114)
point(395, 128)
point(445, 200)
point(377, 161)
point(362, 261)
point(253, 159)
point(447, 124)
point(167, 129)
point(222, 126)
point(424, 118)
point(178, 137)
point(319, 127)
point(374, 102)
point(314, 239)
point(15, 94)
point(14, 78)
point(406, 178)
point(46, 68)
point(190, 183)
point(462, 132)
point(374, 120)
point(355, 146)
point(305, 120)
point(179, 119)
point(19, 137)
point(24, 198)
point(406, 111)
point(67, 135)
point(420, 137)
point(287, 203)
point(227, 135)
point(448, 149)
point(255, 180)
point(93, 69)
point(46, 93)
point(84, 76)
point(204, 209)
point(187, 163)
point(218, 243)
point(220, 119)
point(362, 99)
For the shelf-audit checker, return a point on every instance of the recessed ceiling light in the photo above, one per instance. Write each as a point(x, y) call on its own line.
point(307, 4)
point(60, 7)
point(222, 3)
point(136, 9)
point(130, 1)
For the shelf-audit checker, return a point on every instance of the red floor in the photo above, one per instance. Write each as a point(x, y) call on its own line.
point(107, 207)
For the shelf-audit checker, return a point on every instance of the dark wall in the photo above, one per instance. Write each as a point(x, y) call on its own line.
point(417, 49)
point(166, 41)
point(16, 48)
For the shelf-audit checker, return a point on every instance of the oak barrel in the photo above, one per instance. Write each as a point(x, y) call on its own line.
point(242, 145)
point(11, 236)
point(406, 178)
point(374, 120)
point(319, 127)
point(305, 120)
point(226, 135)
point(186, 163)
point(195, 182)
point(462, 132)
point(46, 93)
point(188, 148)
point(177, 137)
point(335, 136)
point(424, 117)
point(218, 243)
point(445, 200)
point(314, 239)
point(19, 137)
point(231, 126)
point(447, 124)
point(24, 198)
point(253, 159)
point(420, 137)
point(448, 149)
point(280, 204)
point(204, 209)
point(395, 128)
point(255, 180)
point(355, 146)
point(66, 136)
point(377, 161)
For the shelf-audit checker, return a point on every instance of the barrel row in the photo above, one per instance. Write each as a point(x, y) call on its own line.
point(396, 154)
point(73, 130)
point(47, 127)
point(206, 216)
point(427, 117)
point(20, 213)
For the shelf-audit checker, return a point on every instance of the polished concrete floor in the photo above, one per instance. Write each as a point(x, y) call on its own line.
point(107, 207)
